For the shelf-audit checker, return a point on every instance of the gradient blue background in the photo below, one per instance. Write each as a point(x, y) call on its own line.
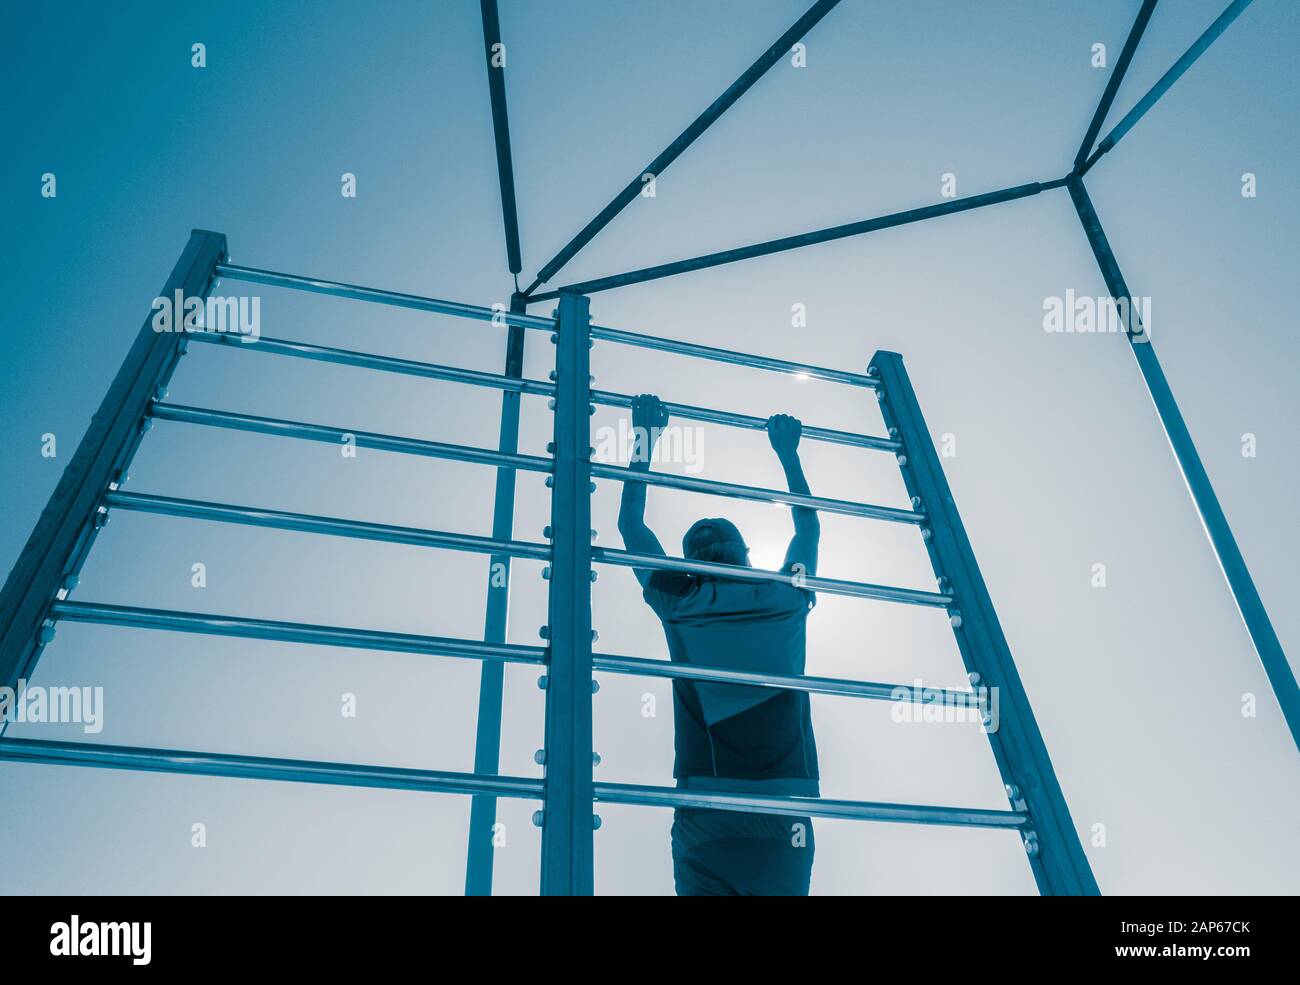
point(1061, 463)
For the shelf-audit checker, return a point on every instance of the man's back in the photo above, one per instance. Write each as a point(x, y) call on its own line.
point(730, 730)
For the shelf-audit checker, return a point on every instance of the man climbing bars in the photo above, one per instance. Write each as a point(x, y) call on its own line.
point(731, 737)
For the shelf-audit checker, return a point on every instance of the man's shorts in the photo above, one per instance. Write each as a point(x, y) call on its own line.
point(745, 866)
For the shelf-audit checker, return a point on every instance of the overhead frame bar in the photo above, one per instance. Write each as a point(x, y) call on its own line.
point(1112, 84)
point(140, 759)
point(495, 51)
point(778, 50)
point(801, 240)
point(1168, 79)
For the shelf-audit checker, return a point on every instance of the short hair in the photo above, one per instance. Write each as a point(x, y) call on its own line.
point(717, 540)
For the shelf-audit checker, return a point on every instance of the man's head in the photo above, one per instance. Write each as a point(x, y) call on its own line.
point(717, 540)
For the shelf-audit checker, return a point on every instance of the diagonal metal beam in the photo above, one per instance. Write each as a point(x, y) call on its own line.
point(496, 68)
point(1112, 85)
point(1168, 79)
point(687, 137)
point(1240, 583)
point(801, 240)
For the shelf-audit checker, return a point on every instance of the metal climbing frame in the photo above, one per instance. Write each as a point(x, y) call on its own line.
point(92, 490)
point(37, 594)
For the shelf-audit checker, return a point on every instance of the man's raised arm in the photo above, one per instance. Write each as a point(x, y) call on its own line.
point(784, 433)
point(648, 418)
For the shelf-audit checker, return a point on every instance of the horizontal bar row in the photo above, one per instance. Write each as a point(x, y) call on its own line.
point(500, 316)
point(313, 285)
point(261, 768)
point(312, 523)
point(420, 537)
point(600, 470)
point(37, 751)
point(452, 374)
point(828, 435)
point(531, 463)
point(713, 354)
point(336, 436)
point(831, 586)
point(209, 624)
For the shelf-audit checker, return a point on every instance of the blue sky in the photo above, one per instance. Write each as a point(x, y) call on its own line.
point(1060, 461)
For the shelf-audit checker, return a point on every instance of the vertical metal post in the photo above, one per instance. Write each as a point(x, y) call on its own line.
point(1242, 586)
point(1055, 853)
point(58, 545)
point(567, 819)
point(487, 742)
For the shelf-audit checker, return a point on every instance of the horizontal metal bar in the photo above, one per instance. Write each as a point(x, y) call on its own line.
point(193, 763)
point(292, 632)
point(364, 530)
point(715, 354)
point(842, 687)
point(329, 525)
point(368, 360)
point(210, 624)
point(1166, 81)
point(794, 242)
point(830, 586)
point(473, 377)
point(271, 278)
point(38, 751)
point(602, 470)
point(334, 435)
point(854, 810)
point(827, 435)
point(488, 314)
